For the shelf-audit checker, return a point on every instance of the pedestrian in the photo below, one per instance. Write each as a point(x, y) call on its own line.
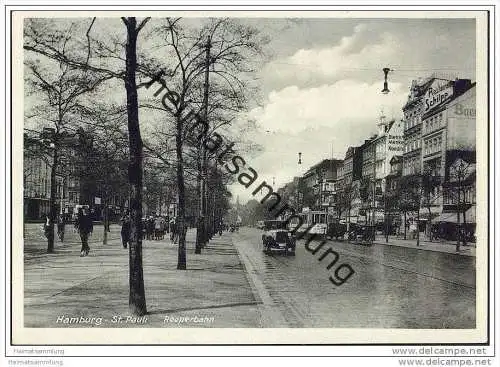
point(125, 232)
point(163, 227)
point(150, 227)
point(85, 228)
point(46, 225)
point(61, 224)
point(175, 231)
point(158, 227)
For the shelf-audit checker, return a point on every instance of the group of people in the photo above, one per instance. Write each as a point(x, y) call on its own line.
point(153, 228)
point(83, 225)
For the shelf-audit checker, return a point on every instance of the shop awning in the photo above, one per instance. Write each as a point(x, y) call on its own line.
point(451, 217)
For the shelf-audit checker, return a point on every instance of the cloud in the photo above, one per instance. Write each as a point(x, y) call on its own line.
point(319, 122)
point(363, 54)
point(293, 109)
point(325, 94)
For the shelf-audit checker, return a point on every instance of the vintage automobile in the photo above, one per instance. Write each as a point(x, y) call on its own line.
point(278, 238)
point(361, 234)
point(336, 230)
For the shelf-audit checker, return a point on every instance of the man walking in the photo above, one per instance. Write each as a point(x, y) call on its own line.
point(85, 228)
point(173, 230)
point(61, 224)
point(125, 229)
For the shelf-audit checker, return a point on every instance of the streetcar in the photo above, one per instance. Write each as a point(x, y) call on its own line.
point(314, 222)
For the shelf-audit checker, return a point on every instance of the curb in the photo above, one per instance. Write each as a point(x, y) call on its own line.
point(423, 248)
point(271, 317)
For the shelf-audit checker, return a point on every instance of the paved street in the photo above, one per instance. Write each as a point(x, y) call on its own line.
point(237, 284)
point(393, 287)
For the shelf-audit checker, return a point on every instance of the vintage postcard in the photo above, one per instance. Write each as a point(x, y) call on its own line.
point(250, 177)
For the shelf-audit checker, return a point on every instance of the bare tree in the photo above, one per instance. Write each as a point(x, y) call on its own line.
point(42, 40)
point(459, 190)
point(205, 88)
point(104, 161)
point(60, 89)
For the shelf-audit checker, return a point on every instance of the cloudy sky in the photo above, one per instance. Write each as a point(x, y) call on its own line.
point(321, 83)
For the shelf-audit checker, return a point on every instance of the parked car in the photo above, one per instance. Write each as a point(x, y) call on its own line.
point(361, 234)
point(336, 230)
point(277, 237)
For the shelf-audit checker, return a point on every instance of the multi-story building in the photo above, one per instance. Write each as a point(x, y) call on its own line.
point(429, 95)
point(338, 186)
point(351, 175)
point(392, 180)
point(412, 119)
point(321, 179)
point(448, 130)
point(368, 167)
point(73, 187)
point(388, 143)
point(37, 167)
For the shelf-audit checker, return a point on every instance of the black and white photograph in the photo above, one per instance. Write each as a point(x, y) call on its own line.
point(191, 177)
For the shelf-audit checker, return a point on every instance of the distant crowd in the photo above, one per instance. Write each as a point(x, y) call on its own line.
point(154, 227)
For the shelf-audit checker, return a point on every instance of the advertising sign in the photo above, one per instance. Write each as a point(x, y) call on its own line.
point(437, 95)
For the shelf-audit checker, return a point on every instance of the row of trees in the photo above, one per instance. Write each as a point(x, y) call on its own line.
point(406, 196)
point(201, 69)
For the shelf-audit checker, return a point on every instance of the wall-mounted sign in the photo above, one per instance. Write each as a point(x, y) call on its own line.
point(437, 95)
point(464, 110)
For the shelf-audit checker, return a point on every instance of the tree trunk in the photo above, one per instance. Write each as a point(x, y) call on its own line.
point(459, 198)
point(199, 195)
point(404, 225)
point(429, 224)
point(137, 297)
point(205, 199)
point(181, 258)
point(105, 222)
point(386, 219)
point(348, 219)
point(52, 201)
point(418, 226)
point(464, 238)
point(206, 88)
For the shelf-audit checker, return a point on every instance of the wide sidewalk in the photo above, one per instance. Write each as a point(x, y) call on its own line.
point(212, 292)
point(426, 245)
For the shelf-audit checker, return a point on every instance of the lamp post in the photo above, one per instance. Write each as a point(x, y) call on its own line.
point(386, 89)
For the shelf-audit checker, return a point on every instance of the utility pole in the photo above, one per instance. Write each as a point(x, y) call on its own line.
point(201, 235)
